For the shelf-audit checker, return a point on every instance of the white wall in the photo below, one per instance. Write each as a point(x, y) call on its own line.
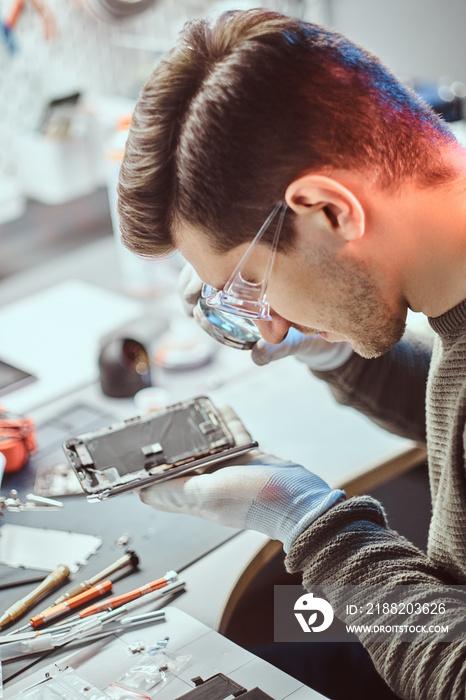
point(92, 56)
point(419, 38)
point(422, 39)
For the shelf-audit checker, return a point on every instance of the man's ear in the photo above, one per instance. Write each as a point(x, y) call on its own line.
point(342, 209)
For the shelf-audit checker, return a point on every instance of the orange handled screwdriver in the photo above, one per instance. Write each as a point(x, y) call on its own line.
point(115, 602)
point(129, 559)
point(49, 583)
point(51, 614)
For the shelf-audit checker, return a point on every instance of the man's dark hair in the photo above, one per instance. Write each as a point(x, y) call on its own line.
point(244, 105)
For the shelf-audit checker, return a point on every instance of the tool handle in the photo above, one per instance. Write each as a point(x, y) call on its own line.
point(129, 558)
point(72, 592)
point(110, 604)
point(58, 610)
point(151, 616)
point(115, 602)
point(50, 582)
point(53, 580)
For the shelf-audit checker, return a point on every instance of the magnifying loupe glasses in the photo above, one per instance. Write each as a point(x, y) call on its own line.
point(234, 331)
point(228, 314)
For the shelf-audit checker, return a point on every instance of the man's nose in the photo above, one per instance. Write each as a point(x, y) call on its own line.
point(273, 331)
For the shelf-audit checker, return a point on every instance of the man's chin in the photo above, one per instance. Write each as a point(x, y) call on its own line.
point(368, 353)
point(376, 348)
point(365, 351)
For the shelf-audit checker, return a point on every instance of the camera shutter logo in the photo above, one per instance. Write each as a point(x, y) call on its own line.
point(307, 603)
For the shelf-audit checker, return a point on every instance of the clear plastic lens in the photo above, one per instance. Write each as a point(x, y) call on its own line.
point(228, 329)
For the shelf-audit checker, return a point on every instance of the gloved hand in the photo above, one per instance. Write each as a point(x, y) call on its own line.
point(318, 354)
point(279, 499)
point(189, 288)
point(314, 351)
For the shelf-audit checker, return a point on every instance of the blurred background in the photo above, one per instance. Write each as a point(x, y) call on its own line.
point(70, 71)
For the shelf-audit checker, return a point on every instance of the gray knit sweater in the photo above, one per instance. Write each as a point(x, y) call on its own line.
point(418, 392)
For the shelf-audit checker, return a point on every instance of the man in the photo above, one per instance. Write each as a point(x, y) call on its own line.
point(258, 115)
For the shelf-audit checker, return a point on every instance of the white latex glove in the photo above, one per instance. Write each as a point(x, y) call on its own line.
point(279, 499)
point(314, 351)
point(189, 288)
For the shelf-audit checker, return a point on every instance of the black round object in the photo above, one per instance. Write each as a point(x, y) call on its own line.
point(124, 367)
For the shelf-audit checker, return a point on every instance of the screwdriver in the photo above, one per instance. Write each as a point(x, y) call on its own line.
point(71, 623)
point(21, 606)
point(51, 614)
point(112, 603)
point(96, 630)
point(130, 558)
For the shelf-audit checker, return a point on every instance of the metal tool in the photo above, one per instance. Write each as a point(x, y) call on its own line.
point(15, 504)
point(20, 582)
point(113, 615)
point(87, 629)
point(129, 559)
point(172, 589)
point(55, 611)
point(117, 601)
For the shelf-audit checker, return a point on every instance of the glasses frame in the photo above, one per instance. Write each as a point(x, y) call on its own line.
point(243, 298)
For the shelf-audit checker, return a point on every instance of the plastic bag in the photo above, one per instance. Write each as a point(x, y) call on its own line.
point(146, 678)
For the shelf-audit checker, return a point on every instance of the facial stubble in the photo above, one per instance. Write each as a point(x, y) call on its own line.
point(372, 321)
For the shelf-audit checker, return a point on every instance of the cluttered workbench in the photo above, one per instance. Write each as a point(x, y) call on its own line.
point(53, 321)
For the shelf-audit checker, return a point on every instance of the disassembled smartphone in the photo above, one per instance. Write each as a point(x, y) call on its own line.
point(184, 437)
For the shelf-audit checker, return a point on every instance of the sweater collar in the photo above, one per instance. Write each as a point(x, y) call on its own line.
point(452, 320)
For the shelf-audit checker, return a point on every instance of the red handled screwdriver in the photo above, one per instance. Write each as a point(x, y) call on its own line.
point(112, 603)
point(129, 559)
point(52, 613)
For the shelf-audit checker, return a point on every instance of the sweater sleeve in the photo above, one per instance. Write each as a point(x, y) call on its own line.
point(351, 545)
point(390, 389)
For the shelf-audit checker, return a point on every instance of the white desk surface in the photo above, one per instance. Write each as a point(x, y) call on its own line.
point(209, 653)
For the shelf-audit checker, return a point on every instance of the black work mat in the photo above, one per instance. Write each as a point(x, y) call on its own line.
point(162, 541)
